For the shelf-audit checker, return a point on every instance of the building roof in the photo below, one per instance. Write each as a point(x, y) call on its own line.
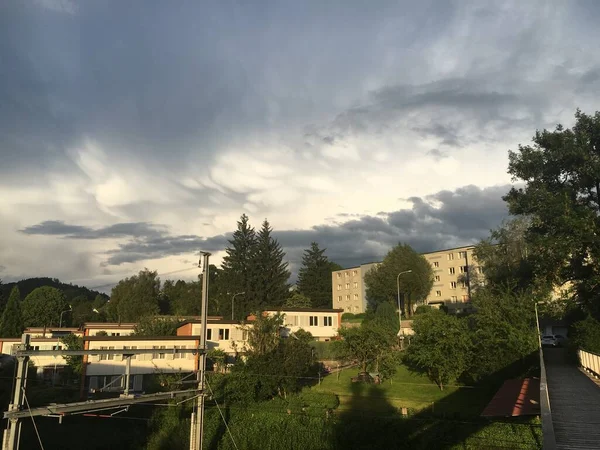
point(140, 338)
point(109, 325)
point(50, 329)
point(211, 320)
point(305, 310)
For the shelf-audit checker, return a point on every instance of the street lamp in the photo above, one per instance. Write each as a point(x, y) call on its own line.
point(232, 299)
point(400, 310)
point(58, 341)
point(61, 314)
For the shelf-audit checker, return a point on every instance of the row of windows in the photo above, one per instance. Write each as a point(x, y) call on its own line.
point(313, 321)
point(462, 269)
point(347, 297)
point(454, 298)
point(347, 273)
point(339, 286)
point(461, 255)
point(349, 309)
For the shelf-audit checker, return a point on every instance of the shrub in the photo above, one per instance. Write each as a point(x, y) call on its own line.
point(347, 316)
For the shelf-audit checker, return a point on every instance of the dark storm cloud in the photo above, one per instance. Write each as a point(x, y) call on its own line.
point(445, 219)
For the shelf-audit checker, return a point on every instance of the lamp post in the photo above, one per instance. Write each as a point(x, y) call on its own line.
point(232, 304)
point(61, 314)
point(58, 341)
point(399, 309)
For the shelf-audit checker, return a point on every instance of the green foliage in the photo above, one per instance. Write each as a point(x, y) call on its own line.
point(347, 316)
point(217, 358)
point(42, 307)
point(297, 300)
point(365, 344)
point(11, 322)
point(272, 274)
point(183, 298)
point(263, 335)
point(71, 291)
point(314, 277)
point(422, 309)
point(585, 335)
point(74, 342)
point(441, 347)
point(381, 281)
point(561, 196)
point(135, 297)
point(156, 326)
point(503, 330)
point(170, 428)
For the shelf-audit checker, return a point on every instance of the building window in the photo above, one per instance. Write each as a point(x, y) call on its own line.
point(339, 275)
point(348, 297)
point(105, 356)
point(244, 335)
point(436, 264)
point(437, 278)
point(356, 309)
point(451, 271)
point(111, 357)
point(314, 321)
point(178, 355)
point(115, 334)
point(354, 273)
point(479, 269)
point(155, 355)
point(454, 298)
point(464, 269)
point(463, 284)
point(347, 285)
point(453, 284)
point(465, 298)
point(462, 255)
point(450, 256)
point(356, 285)
point(293, 320)
point(223, 334)
point(438, 293)
point(339, 287)
point(355, 296)
point(347, 274)
point(327, 321)
point(125, 347)
point(208, 334)
point(339, 298)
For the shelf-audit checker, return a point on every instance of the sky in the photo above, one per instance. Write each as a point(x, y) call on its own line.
point(134, 134)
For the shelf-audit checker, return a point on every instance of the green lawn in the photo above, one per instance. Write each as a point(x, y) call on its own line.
point(405, 389)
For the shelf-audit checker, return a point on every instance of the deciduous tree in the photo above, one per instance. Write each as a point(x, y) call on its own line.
point(561, 196)
point(42, 307)
point(135, 297)
point(297, 300)
point(381, 281)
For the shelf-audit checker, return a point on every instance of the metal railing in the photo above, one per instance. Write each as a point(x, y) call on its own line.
point(549, 439)
point(590, 362)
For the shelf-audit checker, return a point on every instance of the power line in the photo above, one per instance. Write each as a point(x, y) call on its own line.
point(32, 419)
point(221, 413)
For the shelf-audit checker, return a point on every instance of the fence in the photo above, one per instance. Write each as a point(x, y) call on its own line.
point(590, 362)
point(545, 410)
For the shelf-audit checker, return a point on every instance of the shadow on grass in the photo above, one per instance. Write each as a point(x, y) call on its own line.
point(369, 420)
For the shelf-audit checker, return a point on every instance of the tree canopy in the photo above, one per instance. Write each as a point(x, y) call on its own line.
point(561, 196)
point(11, 322)
point(381, 280)
point(314, 277)
point(135, 297)
point(43, 306)
point(297, 300)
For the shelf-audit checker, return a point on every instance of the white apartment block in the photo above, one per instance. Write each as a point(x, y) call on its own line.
point(450, 269)
point(323, 324)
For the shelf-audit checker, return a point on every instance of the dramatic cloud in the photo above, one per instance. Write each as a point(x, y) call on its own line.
point(132, 135)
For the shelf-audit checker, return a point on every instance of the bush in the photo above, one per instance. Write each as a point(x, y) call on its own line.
point(422, 309)
point(347, 316)
point(585, 335)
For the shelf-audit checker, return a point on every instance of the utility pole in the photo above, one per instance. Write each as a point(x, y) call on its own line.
point(12, 433)
point(400, 334)
point(197, 426)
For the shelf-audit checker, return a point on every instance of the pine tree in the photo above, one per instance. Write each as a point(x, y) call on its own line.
point(11, 324)
point(314, 278)
point(271, 272)
point(238, 268)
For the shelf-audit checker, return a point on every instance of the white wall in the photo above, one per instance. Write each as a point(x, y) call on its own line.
point(237, 336)
point(296, 320)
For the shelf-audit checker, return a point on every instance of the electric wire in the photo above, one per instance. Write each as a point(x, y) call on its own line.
point(221, 413)
point(32, 419)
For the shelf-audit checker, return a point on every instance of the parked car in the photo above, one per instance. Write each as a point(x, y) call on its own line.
point(560, 339)
point(549, 341)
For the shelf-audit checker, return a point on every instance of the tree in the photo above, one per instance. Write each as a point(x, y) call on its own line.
point(365, 344)
point(263, 335)
point(42, 307)
point(561, 196)
point(503, 329)
point(135, 297)
point(585, 335)
point(314, 277)
point(271, 273)
point(441, 347)
point(152, 326)
point(297, 300)
point(74, 342)
point(381, 281)
point(238, 268)
point(11, 323)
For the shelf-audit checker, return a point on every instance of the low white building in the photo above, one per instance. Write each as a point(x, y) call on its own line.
point(323, 324)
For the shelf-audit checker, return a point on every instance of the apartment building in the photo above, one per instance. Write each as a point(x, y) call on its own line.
point(349, 289)
point(323, 324)
point(450, 268)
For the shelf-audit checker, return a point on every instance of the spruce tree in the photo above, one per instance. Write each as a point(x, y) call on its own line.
point(314, 278)
point(11, 323)
point(271, 272)
point(238, 269)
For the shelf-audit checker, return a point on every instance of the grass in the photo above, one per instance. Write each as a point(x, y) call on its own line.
point(404, 390)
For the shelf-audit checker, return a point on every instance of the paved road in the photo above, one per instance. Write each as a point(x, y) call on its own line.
point(574, 402)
